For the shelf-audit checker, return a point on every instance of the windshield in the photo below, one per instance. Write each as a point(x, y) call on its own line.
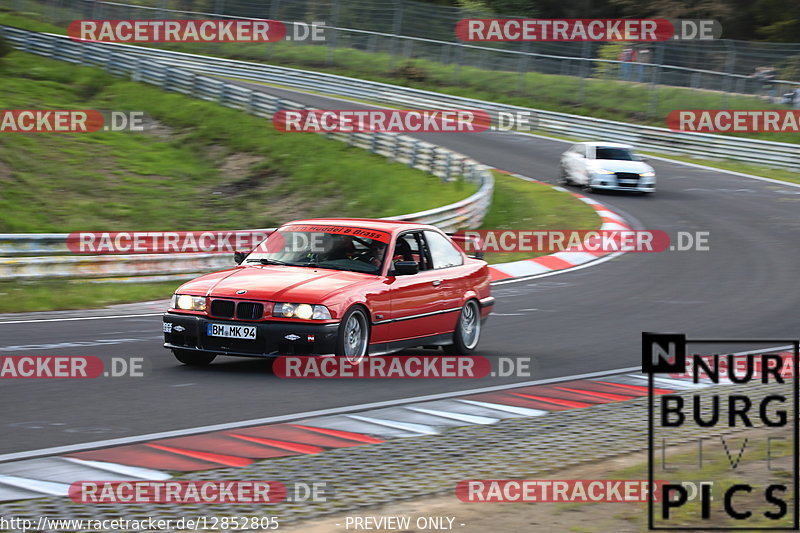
point(332, 247)
point(619, 154)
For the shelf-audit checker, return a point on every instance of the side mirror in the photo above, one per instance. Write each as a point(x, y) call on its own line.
point(640, 158)
point(406, 268)
point(239, 257)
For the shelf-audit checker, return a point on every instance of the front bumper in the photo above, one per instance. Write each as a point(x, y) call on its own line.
point(611, 182)
point(273, 338)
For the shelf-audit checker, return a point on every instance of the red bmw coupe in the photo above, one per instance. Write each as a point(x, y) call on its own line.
point(347, 287)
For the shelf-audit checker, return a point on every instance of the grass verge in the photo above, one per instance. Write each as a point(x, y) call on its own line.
point(52, 295)
point(517, 204)
point(197, 166)
point(525, 205)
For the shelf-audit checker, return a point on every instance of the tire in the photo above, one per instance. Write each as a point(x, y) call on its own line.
point(468, 330)
point(193, 358)
point(352, 341)
point(562, 177)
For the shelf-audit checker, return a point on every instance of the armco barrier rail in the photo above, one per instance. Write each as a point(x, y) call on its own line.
point(754, 151)
point(37, 256)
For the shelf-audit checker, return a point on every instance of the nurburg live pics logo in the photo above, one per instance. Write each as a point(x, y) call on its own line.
point(715, 413)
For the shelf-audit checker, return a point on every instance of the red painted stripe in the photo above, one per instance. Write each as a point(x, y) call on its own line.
point(553, 263)
point(495, 274)
point(141, 455)
point(565, 403)
point(605, 395)
point(291, 446)
point(358, 437)
point(227, 460)
point(635, 387)
point(504, 398)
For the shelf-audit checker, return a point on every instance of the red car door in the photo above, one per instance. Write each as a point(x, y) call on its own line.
point(447, 261)
point(416, 299)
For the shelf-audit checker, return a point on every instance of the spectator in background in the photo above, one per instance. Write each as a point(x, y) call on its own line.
point(763, 77)
point(627, 56)
point(645, 56)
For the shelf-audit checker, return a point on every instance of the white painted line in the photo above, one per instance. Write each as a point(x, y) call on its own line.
point(72, 448)
point(525, 267)
point(76, 318)
point(575, 258)
point(44, 487)
point(555, 272)
point(613, 226)
point(522, 411)
point(731, 172)
point(405, 426)
point(132, 471)
point(461, 417)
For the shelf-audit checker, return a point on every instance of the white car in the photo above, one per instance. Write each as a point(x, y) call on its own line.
point(610, 166)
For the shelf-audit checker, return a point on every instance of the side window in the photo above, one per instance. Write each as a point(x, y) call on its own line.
point(410, 247)
point(443, 253)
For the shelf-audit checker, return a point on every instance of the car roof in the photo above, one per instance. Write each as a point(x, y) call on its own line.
point(609, 144)
point(365, 223)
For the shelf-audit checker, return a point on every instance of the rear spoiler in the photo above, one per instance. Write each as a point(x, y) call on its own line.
point(471, 245)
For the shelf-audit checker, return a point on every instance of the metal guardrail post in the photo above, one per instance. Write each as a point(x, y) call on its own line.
point(414, 149)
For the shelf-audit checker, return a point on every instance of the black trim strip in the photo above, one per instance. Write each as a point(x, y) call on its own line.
point(412, 317)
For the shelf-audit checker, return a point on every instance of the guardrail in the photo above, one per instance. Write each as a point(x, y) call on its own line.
point(784, 155)
point(51, 259)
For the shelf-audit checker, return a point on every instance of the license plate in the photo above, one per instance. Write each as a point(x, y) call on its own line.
point(231, 331)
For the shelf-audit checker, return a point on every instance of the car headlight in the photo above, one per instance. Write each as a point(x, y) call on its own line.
point(648, 174)
point(187, 302)
point(601, 171)
point(302, 311)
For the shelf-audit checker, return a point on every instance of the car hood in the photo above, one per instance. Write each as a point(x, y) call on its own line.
point(275, 283)
point(615, 165)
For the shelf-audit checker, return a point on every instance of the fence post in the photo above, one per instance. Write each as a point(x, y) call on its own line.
point(659, 61)
point(397, 25)
point(585, 69)
point(731, 63)
point(522, 67)
point(334, 34)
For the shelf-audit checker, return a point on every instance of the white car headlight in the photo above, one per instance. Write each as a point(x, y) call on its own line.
point(648, 174)
point(601, 171)
point(302, 311)
point(187, 302)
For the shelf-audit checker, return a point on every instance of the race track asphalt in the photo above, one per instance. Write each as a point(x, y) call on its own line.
point(570, 323)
